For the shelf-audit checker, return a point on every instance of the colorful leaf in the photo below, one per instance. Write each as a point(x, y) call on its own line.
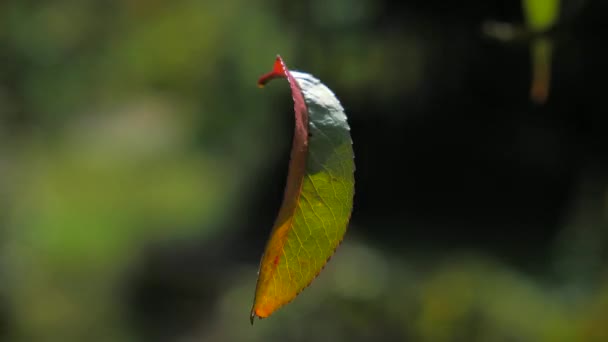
point(318, 197)
point(541, 15)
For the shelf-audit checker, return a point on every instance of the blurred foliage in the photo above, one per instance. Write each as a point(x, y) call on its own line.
point(467, 298)
point(128, 125)
point(125, 142)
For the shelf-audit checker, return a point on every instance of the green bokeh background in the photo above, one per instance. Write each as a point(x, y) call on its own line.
point(140, 170)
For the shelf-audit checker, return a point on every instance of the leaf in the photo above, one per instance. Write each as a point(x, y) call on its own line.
point(541, 15)
point(541, 69)
point(318, 196)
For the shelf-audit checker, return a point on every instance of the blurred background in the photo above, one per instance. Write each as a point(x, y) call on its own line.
point(141, 170)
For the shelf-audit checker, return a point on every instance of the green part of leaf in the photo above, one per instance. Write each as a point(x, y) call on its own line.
point(541, 14)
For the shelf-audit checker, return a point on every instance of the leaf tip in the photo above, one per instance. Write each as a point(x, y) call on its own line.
point(255, 312)
point(252, 316)
point(539, 94)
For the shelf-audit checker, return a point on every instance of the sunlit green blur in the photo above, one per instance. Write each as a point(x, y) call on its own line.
point(129, 125)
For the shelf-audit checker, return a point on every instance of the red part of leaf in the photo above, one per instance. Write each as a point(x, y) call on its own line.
point(278, 70)
point(293, 187)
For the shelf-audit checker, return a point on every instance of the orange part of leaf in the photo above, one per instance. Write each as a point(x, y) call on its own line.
point(297, 169)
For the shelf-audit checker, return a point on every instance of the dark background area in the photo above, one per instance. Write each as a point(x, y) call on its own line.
point(141, 170)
